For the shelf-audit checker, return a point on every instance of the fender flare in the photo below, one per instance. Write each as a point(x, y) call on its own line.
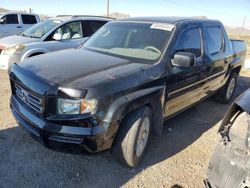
point(235, 64)
point(129, 102)
point(240, 105)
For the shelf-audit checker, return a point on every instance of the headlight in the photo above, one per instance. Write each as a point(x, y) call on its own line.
point(76, 106)
point(13, 50)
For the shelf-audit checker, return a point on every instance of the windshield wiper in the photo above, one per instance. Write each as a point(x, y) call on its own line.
point(30, 36)
point(22, 34)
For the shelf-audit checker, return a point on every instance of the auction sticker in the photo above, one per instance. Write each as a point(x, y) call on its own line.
point(162, 26)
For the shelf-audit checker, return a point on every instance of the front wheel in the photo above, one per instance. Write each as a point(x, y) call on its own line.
point(133, 136)
point(225, 94)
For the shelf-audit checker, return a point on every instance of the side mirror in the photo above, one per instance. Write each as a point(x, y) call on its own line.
point(183, 59)
point(57, 36)
point(1, 21)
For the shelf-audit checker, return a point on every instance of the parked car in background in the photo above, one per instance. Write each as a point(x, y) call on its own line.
point(54, 34)
point(230, 163)
point(125, 80)
point(12, 23)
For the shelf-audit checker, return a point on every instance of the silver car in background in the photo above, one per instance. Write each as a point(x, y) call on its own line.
point(54, 34)
point(12, 23)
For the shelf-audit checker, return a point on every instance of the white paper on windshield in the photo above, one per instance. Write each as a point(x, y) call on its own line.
point(162, 26)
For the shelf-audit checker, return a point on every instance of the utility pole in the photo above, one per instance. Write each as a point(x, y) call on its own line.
point(243, 25)
point(107, 8)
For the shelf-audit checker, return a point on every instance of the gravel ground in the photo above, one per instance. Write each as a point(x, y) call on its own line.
point(179, 157)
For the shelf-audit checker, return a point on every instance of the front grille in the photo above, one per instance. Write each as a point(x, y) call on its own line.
point(32, 101)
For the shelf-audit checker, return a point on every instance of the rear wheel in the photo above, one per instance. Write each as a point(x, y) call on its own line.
point(133, 136)
point(225, 94)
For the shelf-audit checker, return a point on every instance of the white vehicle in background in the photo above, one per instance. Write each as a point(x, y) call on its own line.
point(12, 23)
point(54, 34)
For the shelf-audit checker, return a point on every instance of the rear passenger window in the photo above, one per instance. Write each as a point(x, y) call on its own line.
point(94, 26)
point(29, 19)
point(11, 19)
point(190, 41)
point(214, 39)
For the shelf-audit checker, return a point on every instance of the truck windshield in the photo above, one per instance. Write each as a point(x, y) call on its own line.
point(40, 29)
point(139, 42)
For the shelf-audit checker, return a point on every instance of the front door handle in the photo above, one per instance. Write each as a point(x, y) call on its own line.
point(226, 61)
point(19, 26)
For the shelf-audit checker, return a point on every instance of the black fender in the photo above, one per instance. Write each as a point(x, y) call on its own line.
point(234, 66)
point(129, 102)
point(240, 105)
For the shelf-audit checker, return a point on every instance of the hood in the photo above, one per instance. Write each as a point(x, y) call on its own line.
point(78, 68)
point(15, 40)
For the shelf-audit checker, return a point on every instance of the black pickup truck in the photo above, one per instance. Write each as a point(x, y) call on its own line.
point(123, 83)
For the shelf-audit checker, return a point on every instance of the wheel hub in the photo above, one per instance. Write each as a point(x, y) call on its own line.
point(230, 88)
point(142, 136)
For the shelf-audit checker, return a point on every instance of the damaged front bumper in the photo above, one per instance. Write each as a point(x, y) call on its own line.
point(61, 137)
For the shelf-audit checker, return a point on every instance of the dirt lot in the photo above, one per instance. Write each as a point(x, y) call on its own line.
point(179, 157)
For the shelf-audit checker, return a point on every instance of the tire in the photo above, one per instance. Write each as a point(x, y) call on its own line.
point(136, 126)
point(225, 94)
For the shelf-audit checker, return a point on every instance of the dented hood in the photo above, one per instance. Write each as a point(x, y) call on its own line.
point(83, 69)
point(64, 67)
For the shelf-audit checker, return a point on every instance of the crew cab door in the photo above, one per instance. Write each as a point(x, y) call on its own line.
point(10, 25)
point(217, 60)
point(184, 86)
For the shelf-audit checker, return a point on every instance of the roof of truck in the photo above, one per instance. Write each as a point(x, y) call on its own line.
point(17, 12)
point(170, 20)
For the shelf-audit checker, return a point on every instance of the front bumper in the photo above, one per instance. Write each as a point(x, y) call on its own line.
point(60, 137)
point(7, 60)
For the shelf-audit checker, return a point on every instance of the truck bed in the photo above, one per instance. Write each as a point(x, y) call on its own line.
point(239, 46)
point(239, 50)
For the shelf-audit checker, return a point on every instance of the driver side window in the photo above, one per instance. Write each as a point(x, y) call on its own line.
point(190, 41)
point(10, 19)
point(72, 30)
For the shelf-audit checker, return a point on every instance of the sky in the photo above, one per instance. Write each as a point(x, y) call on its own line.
point(230, 12)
